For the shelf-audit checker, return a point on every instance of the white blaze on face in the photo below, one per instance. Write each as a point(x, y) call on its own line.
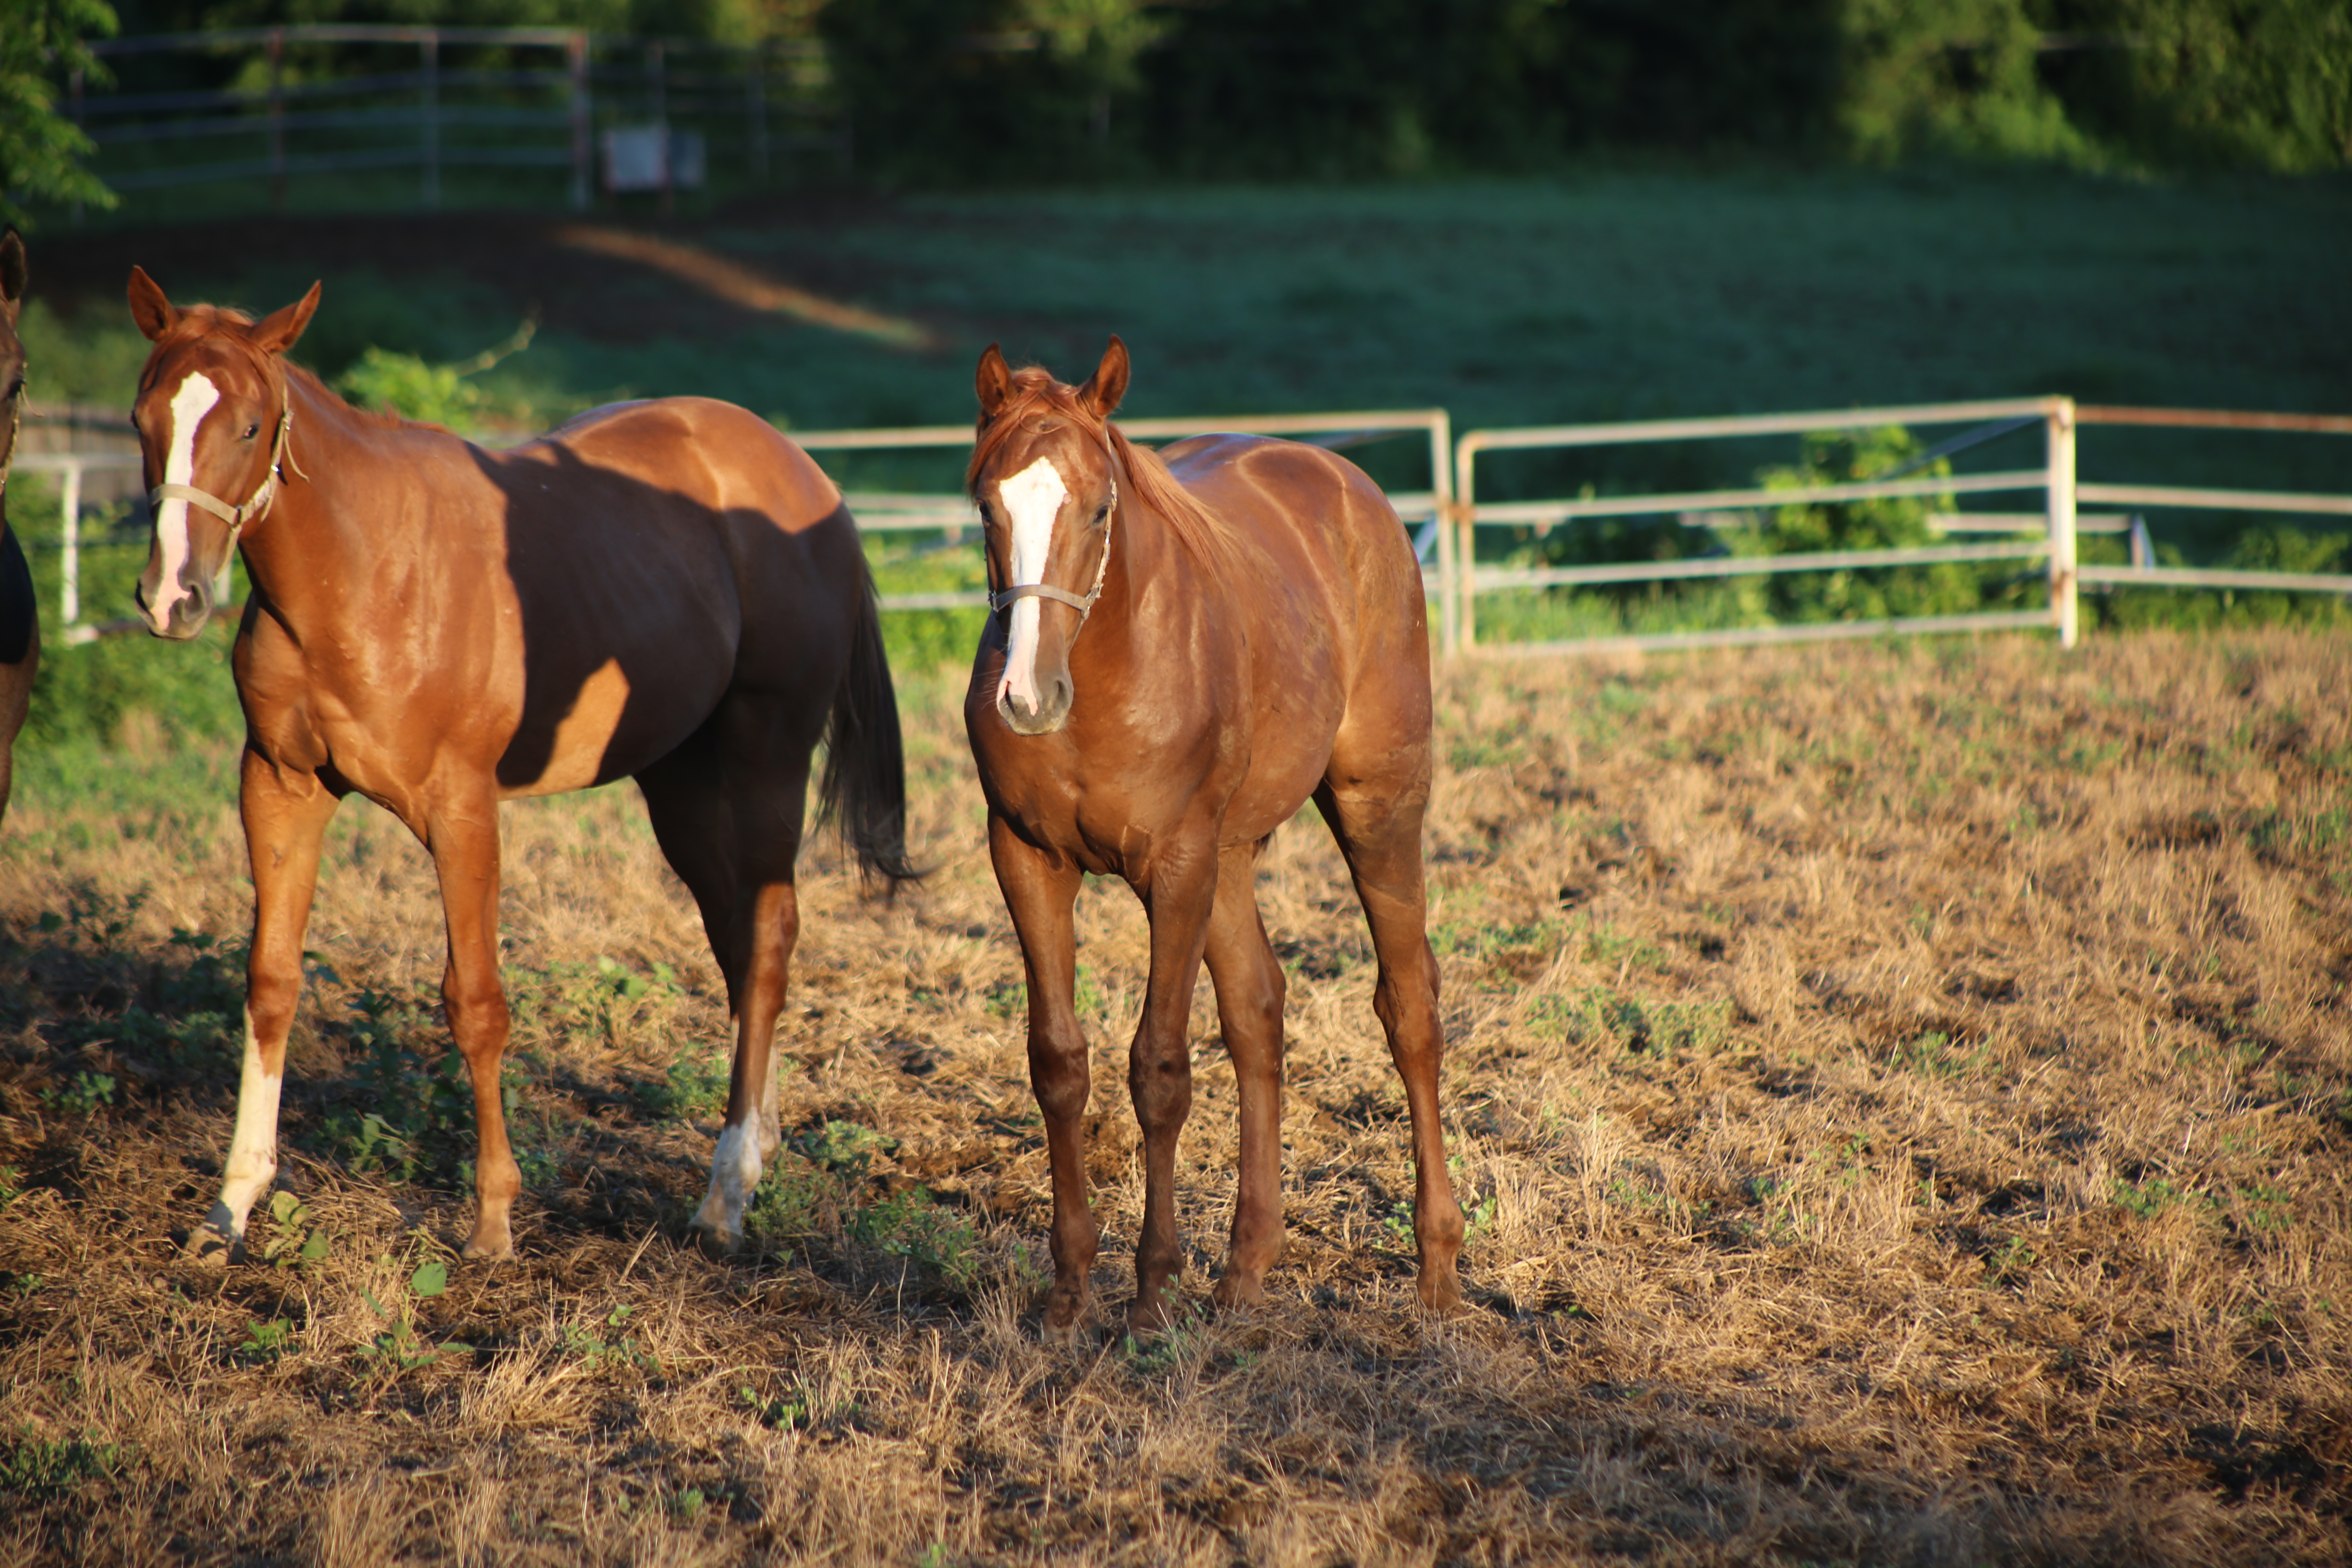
point(1033, 500)
point(189, 406)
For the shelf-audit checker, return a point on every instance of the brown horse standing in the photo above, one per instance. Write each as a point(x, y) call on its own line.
point(20, 624)
point(1188, 648)
point(668, 591)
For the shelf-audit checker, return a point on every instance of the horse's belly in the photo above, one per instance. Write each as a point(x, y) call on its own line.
point(622, 716)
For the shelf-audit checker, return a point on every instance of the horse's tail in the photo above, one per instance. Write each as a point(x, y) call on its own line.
point(864, 790)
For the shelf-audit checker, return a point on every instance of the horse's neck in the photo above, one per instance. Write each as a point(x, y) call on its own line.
point(336, 515)
point(1146, 553)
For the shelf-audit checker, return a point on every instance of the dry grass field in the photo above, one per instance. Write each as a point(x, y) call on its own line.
point(1903, 1094)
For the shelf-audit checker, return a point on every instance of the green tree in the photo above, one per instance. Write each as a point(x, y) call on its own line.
point(40, 150)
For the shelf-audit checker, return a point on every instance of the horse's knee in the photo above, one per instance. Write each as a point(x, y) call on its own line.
point(1060, 1080)
point(1161, 1087)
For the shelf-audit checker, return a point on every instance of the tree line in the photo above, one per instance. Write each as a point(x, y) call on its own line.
point(1032, 90)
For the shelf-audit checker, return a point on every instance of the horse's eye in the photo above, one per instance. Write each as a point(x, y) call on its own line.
point(251, 431)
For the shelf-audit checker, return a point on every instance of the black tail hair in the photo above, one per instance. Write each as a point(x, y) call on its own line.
point(864, 790)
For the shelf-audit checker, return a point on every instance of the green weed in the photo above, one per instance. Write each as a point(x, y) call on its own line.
point(609, 1344)
point(1933, 1055)
point(1599, 1016)
point(265, 1342)
point(400, 1347)
point(32, 1469)
point(297, 1244)
point(88, 1091)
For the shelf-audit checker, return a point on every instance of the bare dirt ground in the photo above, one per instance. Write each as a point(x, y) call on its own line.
point(1903, 1094)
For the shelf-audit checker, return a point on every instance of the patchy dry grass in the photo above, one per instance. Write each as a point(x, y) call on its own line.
point(1904, 1095)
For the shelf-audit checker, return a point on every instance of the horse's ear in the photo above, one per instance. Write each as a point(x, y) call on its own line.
point(154, 313)
point(992, 382)
point(1108, 385)
point(275, 332)
point(13, 276)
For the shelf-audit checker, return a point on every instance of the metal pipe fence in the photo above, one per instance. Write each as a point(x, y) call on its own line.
point(2046, 536)
point(2057, 524)
point(758, 101)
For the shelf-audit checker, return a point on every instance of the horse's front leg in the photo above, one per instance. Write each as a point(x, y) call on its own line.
point(285, 816)
point(1039, 890)
point(1178, 899)
point(463, 838)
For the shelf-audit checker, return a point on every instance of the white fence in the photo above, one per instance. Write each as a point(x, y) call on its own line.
point(2046, 534)
point(2056, 523)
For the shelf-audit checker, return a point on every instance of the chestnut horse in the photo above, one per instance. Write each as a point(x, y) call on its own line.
point(1188, 647)
point(20, 624)
point(668, 591)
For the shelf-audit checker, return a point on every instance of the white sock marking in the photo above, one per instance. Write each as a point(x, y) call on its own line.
point(1033, 497)
point(253, 1151)
point(195, 398)
point(735, 1167)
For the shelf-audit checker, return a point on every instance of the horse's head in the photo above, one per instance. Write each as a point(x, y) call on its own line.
point(1047, 487)
point(212, 416)
point(12, 352)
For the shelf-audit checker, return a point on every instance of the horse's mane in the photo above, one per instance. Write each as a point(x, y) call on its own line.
point(228, 324)
point(1146, 475)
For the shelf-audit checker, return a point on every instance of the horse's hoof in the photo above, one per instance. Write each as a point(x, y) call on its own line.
point(1065, 1312)
point(1237, 1291)
point(1442, 1294)
point(207, 1248)
point(717, 1244)
point(480, 1248)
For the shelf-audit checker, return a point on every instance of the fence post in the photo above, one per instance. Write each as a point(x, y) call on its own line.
point(430, 47)
point(69, 563)
point(1441, 486)
point(756, 91)
point(575, 50)
point(2059, 426)
point(278, 118)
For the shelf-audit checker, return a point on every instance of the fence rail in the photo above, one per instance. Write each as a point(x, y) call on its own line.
point(1455, 579)
point(767, 98)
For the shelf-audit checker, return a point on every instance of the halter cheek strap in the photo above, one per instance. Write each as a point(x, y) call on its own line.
point(236, 517)
point(1084, 606)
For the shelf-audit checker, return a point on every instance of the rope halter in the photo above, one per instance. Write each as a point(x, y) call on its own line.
point(1000, 603)
point(236, 517)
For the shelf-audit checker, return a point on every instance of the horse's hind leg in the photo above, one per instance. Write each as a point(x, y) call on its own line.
point(285, 817)
point(1250, 989)
point(727, 808)
point(1379, 835)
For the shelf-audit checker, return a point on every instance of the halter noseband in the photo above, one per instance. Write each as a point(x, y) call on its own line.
point(1084, 606)
point(236, 517)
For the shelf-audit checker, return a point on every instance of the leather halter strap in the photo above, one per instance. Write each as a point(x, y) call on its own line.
point(236, 517)
point(1084, 606)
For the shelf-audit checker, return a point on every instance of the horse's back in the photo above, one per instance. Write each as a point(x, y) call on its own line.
point(740, 462)
point(1320, 519)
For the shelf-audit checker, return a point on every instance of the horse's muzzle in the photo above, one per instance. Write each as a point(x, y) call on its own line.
point(186, 617)
point(1053, 710)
